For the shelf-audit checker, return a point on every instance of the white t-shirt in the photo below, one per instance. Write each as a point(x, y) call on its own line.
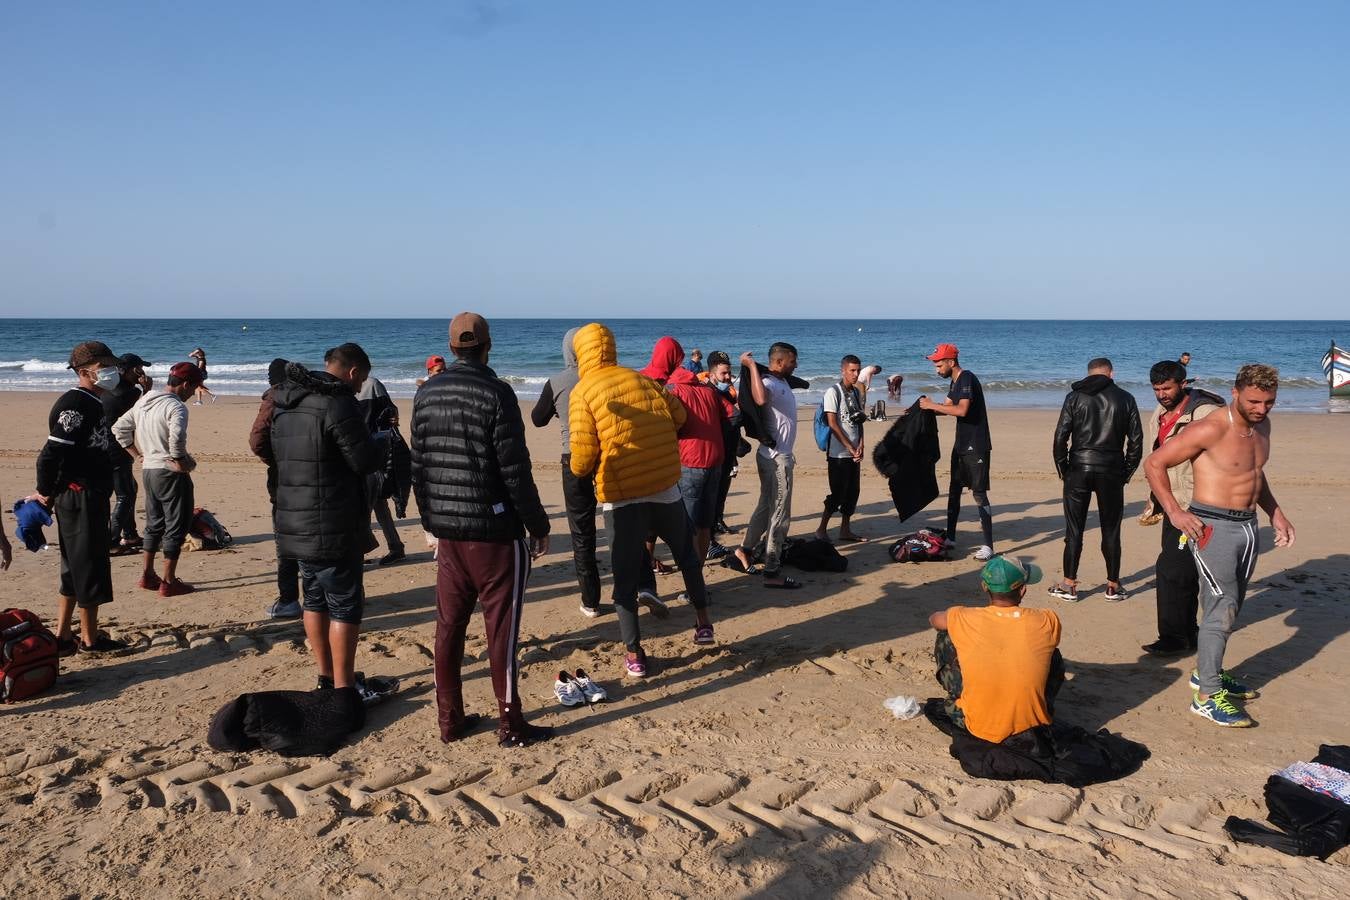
point(834, 400)
point(783, 410)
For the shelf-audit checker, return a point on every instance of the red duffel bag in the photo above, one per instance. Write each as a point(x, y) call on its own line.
point(29, 659)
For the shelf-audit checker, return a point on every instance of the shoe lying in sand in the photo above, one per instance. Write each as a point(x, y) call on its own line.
point(375, 689)
point(568, 692)
point(593, 692)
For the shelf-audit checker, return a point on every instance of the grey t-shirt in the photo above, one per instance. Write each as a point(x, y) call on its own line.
point(836, 402)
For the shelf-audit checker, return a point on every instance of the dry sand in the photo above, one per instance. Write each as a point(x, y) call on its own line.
point(765, 766)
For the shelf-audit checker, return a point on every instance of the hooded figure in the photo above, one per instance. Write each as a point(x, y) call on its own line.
point(666, 358)
point(553, 400)
point(622, 424)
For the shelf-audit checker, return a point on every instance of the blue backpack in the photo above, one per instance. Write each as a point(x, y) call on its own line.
point(822, 427)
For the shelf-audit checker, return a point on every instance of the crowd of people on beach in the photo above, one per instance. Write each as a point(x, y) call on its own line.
point(653, 453)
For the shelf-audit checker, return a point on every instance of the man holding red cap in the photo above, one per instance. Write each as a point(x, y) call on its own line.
point(971, 450)
point(156, 430)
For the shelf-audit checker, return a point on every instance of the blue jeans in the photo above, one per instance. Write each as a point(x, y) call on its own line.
point(698, 488)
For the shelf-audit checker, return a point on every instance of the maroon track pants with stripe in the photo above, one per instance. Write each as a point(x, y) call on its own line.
point(469, 572)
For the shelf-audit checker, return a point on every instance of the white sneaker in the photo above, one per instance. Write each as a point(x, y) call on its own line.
point(985, 552)
point(593, 692)
point(589, 612)
point(568, 691)
point(654, 604)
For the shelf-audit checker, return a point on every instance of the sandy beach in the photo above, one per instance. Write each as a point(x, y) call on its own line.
point(763, 766)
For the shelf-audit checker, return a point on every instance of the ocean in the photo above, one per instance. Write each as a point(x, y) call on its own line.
point(1022, 363)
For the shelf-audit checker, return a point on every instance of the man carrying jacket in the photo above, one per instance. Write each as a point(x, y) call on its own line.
point(1178, 581)
point(1097, 446)
point(623, 431)
point(476, 494)
point(287, 603)
point(323, 452)
point(770, 393)
point(157, 428)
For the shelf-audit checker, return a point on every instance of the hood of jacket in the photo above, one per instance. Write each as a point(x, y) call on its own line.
point(301, 382)
point(595, 349)
point(1093, 384)
point(681, 375)
point(666, 358)
point(569, 349)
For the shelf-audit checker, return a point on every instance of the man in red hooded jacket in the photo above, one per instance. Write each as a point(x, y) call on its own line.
point(701, 445)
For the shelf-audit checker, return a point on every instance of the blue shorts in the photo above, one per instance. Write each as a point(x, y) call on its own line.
point(698, 488)
point(335, 589)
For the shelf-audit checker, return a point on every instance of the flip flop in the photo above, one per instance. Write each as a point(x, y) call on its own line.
point(733, 562)
point(788, 584)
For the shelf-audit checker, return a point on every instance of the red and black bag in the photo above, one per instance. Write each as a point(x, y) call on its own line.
point(29, 659)
point(922, 546)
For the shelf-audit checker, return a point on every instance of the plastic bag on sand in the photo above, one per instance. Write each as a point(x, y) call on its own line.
point(903, 707)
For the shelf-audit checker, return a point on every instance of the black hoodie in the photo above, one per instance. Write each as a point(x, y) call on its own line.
point(323, 451)
point(1101, 422)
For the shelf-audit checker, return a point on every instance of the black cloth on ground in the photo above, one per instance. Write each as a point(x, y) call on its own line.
point(908, 455)
point(1055, 754)
point(813, 555)
point(1309, 823)
point(291, 723)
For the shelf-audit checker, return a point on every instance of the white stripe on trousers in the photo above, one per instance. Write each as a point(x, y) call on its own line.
point(522, 576)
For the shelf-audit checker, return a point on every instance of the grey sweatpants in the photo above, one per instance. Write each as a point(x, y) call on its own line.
point(1225, 566)
point(168, 510)
point(773, 512)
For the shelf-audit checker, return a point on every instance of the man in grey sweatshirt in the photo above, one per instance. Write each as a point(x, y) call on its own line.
point(157, 428)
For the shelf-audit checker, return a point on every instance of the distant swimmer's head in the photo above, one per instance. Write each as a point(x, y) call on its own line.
point(1254, 391)
point(1169, 383)
point(944, 358)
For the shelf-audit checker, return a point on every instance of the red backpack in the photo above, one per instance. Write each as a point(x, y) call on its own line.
point(29, 659)
point(922, 546)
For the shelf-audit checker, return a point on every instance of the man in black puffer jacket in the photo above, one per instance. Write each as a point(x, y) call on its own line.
point(1098, 444)
point(476, 494)
point(323, 451)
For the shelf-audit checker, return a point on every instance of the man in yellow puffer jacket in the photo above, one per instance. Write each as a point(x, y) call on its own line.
point(623, 431)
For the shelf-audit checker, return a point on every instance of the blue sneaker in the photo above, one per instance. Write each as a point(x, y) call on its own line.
point(1234, 688)
point(1221, 710)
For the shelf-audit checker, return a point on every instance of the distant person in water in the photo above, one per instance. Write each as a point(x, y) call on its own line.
point(198, 356)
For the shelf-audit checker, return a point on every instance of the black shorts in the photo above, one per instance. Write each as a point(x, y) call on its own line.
point(82, 526)
point(971, 469)
point(336, 589)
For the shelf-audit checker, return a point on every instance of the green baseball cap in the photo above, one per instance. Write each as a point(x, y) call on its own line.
point(1005, 574)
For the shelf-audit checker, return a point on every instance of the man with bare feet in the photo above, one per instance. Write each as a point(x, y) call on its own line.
point(1228, 452)
point(845, 414)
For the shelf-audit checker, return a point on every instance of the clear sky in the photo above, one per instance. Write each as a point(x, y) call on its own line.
point(1009, 159)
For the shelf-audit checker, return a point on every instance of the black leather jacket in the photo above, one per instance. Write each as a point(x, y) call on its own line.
point(470, 467)
point(1099, 429)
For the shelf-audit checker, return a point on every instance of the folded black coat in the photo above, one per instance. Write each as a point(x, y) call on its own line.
point(908, 455)
point(292, 723)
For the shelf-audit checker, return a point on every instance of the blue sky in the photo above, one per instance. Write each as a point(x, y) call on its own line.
point(1075, 160)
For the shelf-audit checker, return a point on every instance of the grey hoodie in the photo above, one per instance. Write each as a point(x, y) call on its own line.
point(158, 426)
point(557, 390)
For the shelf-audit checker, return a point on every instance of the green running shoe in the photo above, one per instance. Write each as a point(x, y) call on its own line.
point(1236, 689)
point(1221, 710)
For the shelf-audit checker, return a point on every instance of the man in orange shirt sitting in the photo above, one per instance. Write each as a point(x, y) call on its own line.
point(999, 663)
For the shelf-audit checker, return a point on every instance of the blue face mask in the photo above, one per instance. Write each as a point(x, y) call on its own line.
point(722, 386)
point(108, 377)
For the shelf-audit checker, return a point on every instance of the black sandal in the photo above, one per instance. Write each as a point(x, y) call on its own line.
point(104, 645)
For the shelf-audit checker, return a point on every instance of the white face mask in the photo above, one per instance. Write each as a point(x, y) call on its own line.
point(108, 377)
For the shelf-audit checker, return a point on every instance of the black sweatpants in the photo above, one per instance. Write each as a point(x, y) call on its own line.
point(1178, 590)
point(123, 521)
point(845, 483)
point(1079, 489)
point(579, 497)
point(82, 526)
point(628, 527)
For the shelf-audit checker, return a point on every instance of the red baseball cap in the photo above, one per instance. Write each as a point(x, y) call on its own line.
point(186, 372)
point(435, 361)
point(943, 351)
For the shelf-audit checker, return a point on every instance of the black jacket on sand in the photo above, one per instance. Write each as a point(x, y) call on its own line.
point(908, 457)
point(470, 466)
point(323, 452)
point(1099, 429)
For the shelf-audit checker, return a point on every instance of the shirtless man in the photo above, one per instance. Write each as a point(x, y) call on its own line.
point(1228, 452)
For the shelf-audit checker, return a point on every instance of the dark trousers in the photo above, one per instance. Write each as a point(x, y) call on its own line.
point(383, 515)
point(467, 573)
point(845, 484)
point(724, 486)
point(1079, 489)
point(579, 497)
point(82, 527)
point(974, 475)
point(168, 510)
point(1178, 590)
point(949, 676)
point(288, 570)
point(628, 527)
point(122, 524)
